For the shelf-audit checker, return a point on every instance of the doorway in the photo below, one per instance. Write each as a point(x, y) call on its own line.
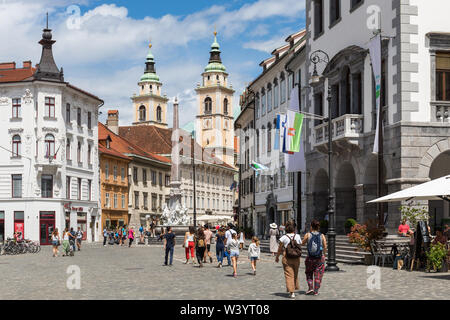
point(47, 226)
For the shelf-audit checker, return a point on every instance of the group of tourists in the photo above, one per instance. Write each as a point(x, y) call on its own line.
point(119, 236)
point(70, 241)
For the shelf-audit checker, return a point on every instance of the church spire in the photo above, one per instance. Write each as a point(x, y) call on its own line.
point(150, 71)
point(215, 62)
point(47, 69)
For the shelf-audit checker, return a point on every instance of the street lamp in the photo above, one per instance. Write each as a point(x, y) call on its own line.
point(193, 172)
point(317, 57)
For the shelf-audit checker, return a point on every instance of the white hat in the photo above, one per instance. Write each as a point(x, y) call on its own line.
point(273, 225)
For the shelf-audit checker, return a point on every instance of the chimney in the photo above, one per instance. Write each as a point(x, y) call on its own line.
point(112, 122)
point(27, 64)
point(7, 65)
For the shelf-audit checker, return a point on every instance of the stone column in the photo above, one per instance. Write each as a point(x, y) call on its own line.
point(359, 188)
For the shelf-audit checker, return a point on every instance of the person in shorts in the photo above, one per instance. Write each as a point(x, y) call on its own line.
point(208, 235)
point(79, 238)
point(233, 248)
point(254, 252)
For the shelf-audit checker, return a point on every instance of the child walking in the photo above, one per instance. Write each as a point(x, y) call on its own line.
point(254, 253)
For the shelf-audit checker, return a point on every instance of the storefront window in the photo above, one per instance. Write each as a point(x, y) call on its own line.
point(2, 226)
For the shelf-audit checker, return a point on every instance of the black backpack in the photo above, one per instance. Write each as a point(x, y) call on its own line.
point(293, 249)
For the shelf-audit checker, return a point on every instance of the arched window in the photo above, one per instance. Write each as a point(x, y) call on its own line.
point(263, 102)
point(142, 113)
point(269, 97)
point(257, 105)
point(159, 114)
point(49, 146)
point(269, 137)
point(68, 149)
point(208, 105)
point(282, 88)
point(276, 95)
point(16, 142)
point(225, 106)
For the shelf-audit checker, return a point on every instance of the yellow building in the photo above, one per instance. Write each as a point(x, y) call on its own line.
point(214, 124)
point(150, 106)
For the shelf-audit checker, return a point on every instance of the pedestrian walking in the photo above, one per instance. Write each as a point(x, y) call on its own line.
point(208, 236)
point(73, 236)
point(254, 252)
point(141, 234)
point(233, 248)
point(274, 234)
point(189, 244)
point(200, 246)
point(169, 245)
point(124, 235)
point(152, 228)
point(241, 240)
point(229, 236)
point(55, 242)
point(315, 261)
point(220, 246)
point(79, 238)
point(66, 242)
point(130, 236)
point(290, 247)
point(105, 236)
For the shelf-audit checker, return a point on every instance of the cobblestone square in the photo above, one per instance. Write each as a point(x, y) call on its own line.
point(138, 273)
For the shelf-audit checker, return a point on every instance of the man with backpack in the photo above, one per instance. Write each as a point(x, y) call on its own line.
point(315, 261)
point(290, 246)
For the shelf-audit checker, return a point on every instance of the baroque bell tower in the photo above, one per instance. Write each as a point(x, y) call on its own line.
point(150, 106)
point(214, 123)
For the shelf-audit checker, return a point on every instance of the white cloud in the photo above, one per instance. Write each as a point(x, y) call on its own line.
point(106, 54)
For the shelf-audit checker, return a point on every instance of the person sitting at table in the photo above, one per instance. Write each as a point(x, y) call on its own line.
point(404, 230)
point(447, 231)
point(440, 237)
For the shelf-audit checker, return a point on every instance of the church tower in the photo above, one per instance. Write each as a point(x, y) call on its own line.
point(214, 124)
point(150, 107)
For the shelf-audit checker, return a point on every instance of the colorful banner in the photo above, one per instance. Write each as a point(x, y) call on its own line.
point(294, 131)
point(375, 56)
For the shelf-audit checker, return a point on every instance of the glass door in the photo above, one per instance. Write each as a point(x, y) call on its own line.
point(2, 226)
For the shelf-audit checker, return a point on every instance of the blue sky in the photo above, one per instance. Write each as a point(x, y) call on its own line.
point(103, 51)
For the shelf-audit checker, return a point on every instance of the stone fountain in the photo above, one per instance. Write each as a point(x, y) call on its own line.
point(175, 214)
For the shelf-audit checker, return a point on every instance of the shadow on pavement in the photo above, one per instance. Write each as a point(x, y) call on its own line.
point(440, 277)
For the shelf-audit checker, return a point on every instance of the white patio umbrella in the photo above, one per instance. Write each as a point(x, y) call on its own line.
point(438, 189)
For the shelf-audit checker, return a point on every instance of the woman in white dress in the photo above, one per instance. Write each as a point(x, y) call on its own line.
point(273, 233)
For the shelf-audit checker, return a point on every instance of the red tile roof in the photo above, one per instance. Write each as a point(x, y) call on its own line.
point(112, 152)
point(159, 141)
point(8, 73)
point(124, 146)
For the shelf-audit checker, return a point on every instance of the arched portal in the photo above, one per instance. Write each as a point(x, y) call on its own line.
point(439, 210)
point(345, 201)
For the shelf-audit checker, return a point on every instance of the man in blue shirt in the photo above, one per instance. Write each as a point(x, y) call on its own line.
point(169, 245)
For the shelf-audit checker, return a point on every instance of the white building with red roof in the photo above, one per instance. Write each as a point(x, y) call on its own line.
point(48, 151)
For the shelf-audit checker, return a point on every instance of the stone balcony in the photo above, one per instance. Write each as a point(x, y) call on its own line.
point(440, 112)
point(347, 131)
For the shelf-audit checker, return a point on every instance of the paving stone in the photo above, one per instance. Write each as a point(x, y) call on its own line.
point(137, 273)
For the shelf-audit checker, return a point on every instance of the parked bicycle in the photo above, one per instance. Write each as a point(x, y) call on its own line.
point(13, 247)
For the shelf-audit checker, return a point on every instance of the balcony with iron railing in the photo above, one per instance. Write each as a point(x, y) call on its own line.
point(344, 129)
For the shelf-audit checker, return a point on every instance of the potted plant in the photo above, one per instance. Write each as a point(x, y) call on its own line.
point(349, 224)
point(362, 235)
point(436, 256)
point(324, 226)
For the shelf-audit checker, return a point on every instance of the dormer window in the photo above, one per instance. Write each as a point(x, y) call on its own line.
point(108, 145)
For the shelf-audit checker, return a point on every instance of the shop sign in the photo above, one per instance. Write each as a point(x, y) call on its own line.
point(67, 206)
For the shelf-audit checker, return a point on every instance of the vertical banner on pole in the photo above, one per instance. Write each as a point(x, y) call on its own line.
point(375, 56)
